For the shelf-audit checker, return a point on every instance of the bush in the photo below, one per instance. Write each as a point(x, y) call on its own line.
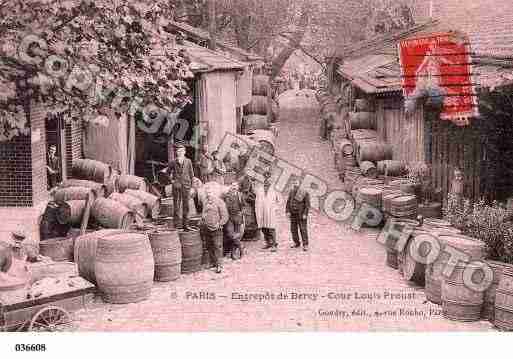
point(488, 223)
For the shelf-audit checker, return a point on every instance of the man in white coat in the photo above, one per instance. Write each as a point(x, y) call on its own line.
point(266, 209)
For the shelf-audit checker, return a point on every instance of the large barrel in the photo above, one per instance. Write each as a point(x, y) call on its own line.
point(459, 302)
point(133, 203)
point(488, 311)
point(112, 214)
point(124, 267)
point(167, 253)
point(374, 151)
point(362, 120)
point(91, 170)
point(473, 248)
point(430, 210)
point(393, 168)
point(257, 106)
point(131, 182)
point(151, 201)
point(84, 253)
point(391, 241)
point(254, 122)
point(359, 135)
point(345, 147)
point(72, 193)
point(410, 269)
point(504, 300)
point(192, 249)
point(405, 206)
point(260, 85)
point(368, 169)
point(58, 249)
point(371, 196)
point(266, 140)
point(99, 189)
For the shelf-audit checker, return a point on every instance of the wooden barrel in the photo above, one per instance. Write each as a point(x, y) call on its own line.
point(84, 253)
point(345, 147)
point(408, 187)
point(257, 106)
point(391, 241)
point(458, 301)
point(388, 196)
point(374, 151)
point(91, 170)
point(59, 249)
point(265, 139)
point(72, 193)
point(166, 207)
point(394, 168)
point(362, 120)
point(361, 105)
point(260, 85)
point(131, 182)
point(430, 210)
point(404, 206)
point(504, 300)
point(473, 248)
point(124, 267)
point(488, 311)
point(151, 201)
point(436, 223)
point(254, 122)
point(412, 270)
point(371, 196)
point(133, 203)
point(99, 189)
point(359, 135)
point(192, 249)
point(368, 169)
point(112, 214)
point(77, 209)
point(167, 254)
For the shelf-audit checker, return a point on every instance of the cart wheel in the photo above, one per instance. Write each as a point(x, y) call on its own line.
point(51, 319)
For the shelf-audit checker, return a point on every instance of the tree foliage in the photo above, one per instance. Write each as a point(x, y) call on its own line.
point(80, 55)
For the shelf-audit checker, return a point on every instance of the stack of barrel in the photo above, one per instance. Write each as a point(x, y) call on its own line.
point(262, 112)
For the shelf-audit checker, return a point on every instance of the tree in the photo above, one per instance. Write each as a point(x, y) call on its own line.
point(79, 56)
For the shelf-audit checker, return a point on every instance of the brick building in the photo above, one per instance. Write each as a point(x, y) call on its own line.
point(23, 174)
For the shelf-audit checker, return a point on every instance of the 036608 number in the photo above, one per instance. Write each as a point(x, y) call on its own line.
point(30, 347)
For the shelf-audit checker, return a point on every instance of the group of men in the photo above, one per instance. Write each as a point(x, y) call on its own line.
point(222, 218)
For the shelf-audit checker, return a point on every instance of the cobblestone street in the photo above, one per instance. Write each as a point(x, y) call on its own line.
point(343, 271)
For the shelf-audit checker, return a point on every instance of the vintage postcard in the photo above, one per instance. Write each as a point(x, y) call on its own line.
point(256, 166)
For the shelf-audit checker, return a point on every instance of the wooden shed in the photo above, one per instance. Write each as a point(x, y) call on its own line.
point(371, 70)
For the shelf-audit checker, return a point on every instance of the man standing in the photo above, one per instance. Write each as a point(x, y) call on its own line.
point(181, 174)
point(298, 205)
point(266, 203)
point(205, 164)
point(233, 230)
point(53, 167)
point(214, 216)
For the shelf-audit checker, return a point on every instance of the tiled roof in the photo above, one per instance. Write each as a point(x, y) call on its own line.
point(200, 34)
point(206, 60)
point(488, 23)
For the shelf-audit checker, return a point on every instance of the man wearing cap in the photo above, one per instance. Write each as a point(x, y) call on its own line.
point(297, 207)
point(181, 174)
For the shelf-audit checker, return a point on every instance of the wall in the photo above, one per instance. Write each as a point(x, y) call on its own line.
point(405, 134)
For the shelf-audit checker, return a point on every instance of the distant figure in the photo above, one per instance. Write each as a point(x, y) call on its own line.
point(297, 207)
point(53, 167)
point(181, 174)
point(205, 164)
point(266, 208)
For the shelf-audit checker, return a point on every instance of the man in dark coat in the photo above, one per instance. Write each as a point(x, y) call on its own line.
point(233, 230)
point(298, 205)
point(181, 174)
